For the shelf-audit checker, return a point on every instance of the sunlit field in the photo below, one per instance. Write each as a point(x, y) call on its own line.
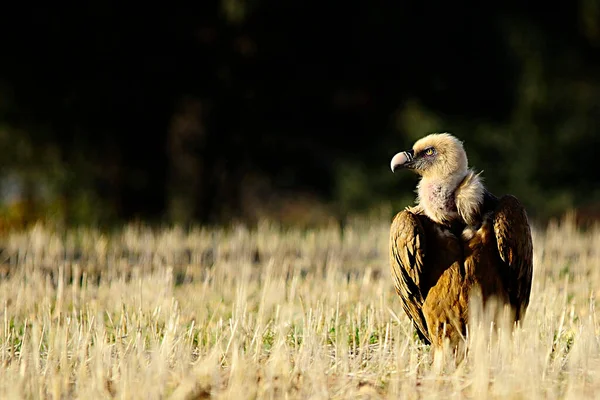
point(273, 313)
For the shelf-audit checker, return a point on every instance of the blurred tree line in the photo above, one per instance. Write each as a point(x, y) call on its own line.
point(235, 109)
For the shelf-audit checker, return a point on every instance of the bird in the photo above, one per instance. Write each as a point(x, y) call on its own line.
point(457, 239)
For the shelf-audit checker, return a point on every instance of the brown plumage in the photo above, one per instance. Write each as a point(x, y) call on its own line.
point(457, 238)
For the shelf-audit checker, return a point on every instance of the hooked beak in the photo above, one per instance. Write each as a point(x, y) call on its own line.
point(404, 159)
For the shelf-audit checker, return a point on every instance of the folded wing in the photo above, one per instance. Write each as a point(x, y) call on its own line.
point(407, 253)
point(515, 247)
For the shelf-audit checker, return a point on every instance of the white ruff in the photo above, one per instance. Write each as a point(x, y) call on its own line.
point(447, 199)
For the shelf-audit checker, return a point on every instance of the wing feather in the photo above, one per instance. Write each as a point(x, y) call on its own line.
point(515, 246)
point(407, 252)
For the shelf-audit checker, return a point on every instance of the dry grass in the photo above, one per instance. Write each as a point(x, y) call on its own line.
point(272, 314)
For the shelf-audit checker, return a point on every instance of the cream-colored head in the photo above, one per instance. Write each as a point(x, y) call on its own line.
point(438, 155)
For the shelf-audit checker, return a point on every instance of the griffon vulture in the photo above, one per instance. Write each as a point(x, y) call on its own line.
point(458, 237)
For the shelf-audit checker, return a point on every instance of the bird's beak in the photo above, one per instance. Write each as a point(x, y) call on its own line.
point(404, 159)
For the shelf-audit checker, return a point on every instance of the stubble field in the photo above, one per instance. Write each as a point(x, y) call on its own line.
point(272, 313)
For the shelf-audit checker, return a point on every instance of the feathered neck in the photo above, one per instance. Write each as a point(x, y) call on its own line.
point(446, 200)
point(469, 198)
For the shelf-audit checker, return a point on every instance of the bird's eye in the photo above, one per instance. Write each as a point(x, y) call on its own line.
point(429, 151)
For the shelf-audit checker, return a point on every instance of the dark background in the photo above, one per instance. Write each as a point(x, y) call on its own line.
point(236, 110)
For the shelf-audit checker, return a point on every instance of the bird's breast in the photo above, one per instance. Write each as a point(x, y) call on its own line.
point(438, 202)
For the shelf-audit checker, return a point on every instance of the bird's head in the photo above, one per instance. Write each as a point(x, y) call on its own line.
point(437, 155)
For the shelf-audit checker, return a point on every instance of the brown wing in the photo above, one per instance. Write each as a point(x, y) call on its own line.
point(407, 251)
point(515, 246)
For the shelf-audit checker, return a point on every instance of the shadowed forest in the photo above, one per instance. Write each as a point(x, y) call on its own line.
point(242, 109)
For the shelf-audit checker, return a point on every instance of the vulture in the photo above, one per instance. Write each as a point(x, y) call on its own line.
point(457, 238)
